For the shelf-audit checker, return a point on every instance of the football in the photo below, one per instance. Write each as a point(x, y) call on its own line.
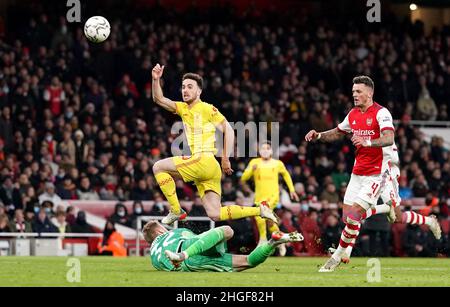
point(97, 29)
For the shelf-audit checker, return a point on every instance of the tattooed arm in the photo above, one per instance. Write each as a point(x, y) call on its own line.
point(327, 136)
point(386, 139)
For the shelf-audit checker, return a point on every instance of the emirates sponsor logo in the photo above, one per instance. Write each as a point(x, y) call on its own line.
point(362, 132)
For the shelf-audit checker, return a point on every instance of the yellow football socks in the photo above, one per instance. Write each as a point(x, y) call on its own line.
point(234, 212)
point(262, 227)
point(167, 185)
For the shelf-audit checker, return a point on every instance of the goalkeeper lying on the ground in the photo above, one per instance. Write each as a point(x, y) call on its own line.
point(182, 250)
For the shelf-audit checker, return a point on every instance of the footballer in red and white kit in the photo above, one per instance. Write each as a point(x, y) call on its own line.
point(372, 132)
point(372, 164)
point(375, 171)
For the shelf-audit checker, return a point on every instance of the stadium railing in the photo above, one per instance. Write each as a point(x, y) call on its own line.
point(60, 244)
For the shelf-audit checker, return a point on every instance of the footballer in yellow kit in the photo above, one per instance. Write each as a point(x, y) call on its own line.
point(265, 172)
point(200, 121)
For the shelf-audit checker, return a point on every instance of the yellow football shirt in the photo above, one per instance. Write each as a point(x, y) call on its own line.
point(200, 123)
point(265, 176)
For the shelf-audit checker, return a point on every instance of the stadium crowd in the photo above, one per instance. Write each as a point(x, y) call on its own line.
point(77, 120)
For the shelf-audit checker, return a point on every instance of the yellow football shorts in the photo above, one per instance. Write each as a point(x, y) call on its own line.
point(203, 169)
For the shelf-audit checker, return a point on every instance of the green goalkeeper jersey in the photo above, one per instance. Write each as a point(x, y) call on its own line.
point(214, 260)
point(171, 241)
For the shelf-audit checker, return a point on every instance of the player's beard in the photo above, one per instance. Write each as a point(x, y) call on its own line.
point(190, 101)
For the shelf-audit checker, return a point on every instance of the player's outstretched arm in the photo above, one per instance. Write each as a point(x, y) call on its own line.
point(248, 172)
point(386, 139)
point(327, 136)
point(157, 92)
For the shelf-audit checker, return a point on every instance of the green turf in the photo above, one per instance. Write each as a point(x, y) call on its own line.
point(133, 271)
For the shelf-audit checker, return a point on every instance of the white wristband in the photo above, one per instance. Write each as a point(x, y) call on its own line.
point(369, 143)
point(319, 136)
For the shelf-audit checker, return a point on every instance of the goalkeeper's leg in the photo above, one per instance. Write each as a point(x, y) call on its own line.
point(264, 251)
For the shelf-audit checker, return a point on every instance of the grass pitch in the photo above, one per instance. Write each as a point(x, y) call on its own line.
point(275, 272)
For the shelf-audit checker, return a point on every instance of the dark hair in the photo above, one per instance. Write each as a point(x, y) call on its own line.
point(197, 78)
point(364, 80)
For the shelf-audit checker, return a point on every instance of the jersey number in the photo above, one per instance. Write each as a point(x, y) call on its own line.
point(374, 188)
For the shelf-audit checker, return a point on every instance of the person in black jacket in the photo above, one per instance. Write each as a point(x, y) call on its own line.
point(418, 242)
point(120, 215)
point(42, 223)
point(10, 196)
point(138, 210)
point(141, 192)
point(332, 231)
point(81, 225)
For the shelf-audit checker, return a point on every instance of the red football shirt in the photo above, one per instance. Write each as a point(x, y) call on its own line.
point(370, 160)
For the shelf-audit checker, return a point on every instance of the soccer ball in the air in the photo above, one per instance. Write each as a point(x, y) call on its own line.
point(97, 29)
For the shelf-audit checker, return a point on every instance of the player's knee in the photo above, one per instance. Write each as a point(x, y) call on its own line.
point(157, 167)
point(228, 232)
point(354, 214)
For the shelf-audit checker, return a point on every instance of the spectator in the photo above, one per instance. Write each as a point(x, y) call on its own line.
point(81, 225)
point(32, 205)
point(312, 233)
point(332, 231)
point(19, 224)
point(141, 192)
point(197, 209)
point(9, 195)
point(85, 191)
point(246, 193)
point(184, 191)
point(67, 189)
point(67, 147)
point(158, 208)
point(289, 223)
point(60, 222)
point(419, 241)
point(405, 191)
point(340, 175)
point(50, 195)
point(330, 194)
point(426, 106)
point(4, 223)
point(287, 150)
point(120, 215)
point(419, 186)
point(70, 215)
point(228, 191)
point(108, 192)
point(42, 223)
point(112, 243)
point(81, 149)
point(6, 129)
point(54, 95)
point(378, 229)
point(138, 210)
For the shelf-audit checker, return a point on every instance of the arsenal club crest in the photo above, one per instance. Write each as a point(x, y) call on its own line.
point(369, 122)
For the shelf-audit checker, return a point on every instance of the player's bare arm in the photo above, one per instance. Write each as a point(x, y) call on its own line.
point(327, 136)
point(228, 145)
point(157, 92)
point(386, 139)
point(294, 196)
